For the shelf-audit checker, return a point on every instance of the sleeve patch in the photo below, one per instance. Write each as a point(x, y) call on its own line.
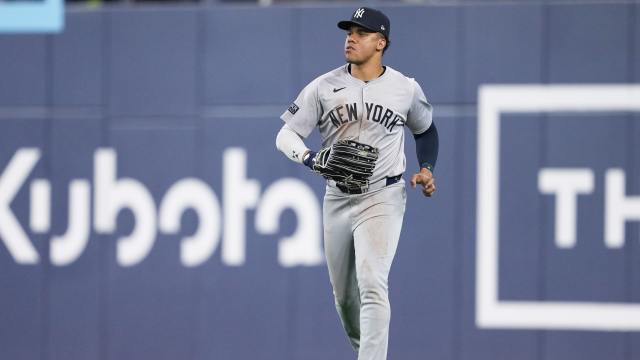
point(293, 108)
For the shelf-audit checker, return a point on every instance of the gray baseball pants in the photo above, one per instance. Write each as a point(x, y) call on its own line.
point(361, 234)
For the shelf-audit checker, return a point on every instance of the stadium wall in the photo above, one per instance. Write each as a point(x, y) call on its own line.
point(146, 214)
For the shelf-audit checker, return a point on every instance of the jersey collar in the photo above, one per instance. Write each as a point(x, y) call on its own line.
point(347, 69)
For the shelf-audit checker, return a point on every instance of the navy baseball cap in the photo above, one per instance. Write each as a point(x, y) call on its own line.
point(370, 19)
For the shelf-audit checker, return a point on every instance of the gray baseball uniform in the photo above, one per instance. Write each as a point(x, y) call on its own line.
point(361, 231)
point(374, 113)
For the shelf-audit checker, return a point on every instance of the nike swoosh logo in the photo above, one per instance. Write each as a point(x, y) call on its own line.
point(336, 90)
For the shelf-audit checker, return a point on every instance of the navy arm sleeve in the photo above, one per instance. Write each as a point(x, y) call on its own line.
point(427, 147)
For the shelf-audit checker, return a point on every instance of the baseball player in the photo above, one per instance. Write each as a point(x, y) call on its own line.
point(361, 110)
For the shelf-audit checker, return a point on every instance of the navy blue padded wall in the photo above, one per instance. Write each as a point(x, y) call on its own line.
point(589, 43)
point(579, 273)
point(635, 45)
point(472, 342)
point(79, 60)
point(521, 223)
point(24, 300)
point(76, 300)
point(155, 301)
point(425, 45)
point(633, 188)
point(152, 62)
point(167, 70)
point(577, 142)
point(502, 44)
point(248, 58)
point(23, 70)
point(248, 309)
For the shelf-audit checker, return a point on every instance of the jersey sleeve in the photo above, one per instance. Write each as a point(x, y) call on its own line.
point(420, 113)
point(304, 113)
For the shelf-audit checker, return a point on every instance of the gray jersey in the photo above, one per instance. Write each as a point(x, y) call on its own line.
point(375, 113)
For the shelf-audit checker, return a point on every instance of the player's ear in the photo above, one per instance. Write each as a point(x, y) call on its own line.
point(382, 42)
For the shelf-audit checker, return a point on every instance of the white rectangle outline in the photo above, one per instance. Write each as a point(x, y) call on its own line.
point(565, 315)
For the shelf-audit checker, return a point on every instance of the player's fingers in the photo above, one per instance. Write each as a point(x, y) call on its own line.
point(413, 180)
point(428, 190)
point(421, 179)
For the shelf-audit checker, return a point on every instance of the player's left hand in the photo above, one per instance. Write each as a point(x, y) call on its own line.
point(424, 178)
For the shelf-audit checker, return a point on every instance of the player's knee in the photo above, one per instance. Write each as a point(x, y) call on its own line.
point(376, 301)
point(373, 290)
point(374, 296)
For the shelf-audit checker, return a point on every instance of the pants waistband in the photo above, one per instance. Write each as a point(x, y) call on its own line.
point(372, 187)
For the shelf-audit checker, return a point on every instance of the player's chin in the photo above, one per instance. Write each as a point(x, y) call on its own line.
point(352, 60)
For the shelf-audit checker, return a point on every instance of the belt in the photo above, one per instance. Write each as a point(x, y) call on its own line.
point(375, 186)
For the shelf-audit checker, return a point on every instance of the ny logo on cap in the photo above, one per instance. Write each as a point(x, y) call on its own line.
point(358, 14)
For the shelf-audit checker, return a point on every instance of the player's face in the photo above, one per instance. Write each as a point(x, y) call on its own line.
point(361, 45)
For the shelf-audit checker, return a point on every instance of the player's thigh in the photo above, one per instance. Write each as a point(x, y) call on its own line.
point(338, 238)
point(377, 235)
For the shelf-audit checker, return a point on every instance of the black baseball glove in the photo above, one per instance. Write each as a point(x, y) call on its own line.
point(347, 162)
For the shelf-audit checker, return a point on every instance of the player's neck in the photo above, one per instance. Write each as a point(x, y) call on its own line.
point(367, 71)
